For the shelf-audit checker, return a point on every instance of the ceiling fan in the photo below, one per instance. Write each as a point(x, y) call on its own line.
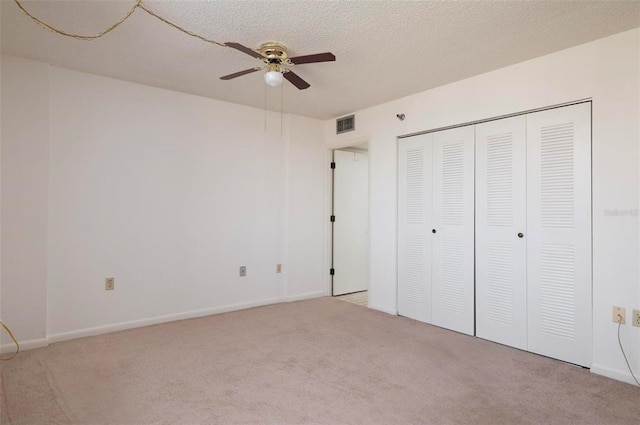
point(275, 57)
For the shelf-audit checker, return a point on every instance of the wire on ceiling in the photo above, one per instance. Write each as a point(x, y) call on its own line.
point(138, 5)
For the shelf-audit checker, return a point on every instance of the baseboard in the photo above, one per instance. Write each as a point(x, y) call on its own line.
point(618, 375)
point(24, 345)
point(383, 309)
point(64, 336)
point(307, 296)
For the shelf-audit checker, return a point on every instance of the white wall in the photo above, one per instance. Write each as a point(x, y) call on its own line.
point(306, 219)
point(608, 71)
point(169, 193)
point(24, 190)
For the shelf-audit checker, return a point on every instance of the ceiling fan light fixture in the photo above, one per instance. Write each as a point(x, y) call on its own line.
point(273, 78)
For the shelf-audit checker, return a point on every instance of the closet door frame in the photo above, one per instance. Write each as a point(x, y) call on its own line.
point(586, 237)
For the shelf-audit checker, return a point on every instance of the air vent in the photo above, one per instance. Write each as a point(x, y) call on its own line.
point(345, 124)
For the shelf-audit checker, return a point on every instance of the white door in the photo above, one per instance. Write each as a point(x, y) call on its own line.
point(559, 233)
point(453, 229)
point(501, 254)
point(414, 223)
point(350, 229)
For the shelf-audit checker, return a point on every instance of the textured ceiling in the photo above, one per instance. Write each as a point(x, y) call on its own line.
point(384, 49)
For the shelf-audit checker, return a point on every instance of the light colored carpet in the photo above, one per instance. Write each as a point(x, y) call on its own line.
point(320, 361)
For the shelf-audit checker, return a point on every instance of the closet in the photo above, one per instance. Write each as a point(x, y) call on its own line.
point(435, 238)
point(529, 232)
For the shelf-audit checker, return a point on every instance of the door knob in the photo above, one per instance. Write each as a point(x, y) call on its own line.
point(520, 235)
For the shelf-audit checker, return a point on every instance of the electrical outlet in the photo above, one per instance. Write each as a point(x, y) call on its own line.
point(278, 268)
point(109, 284)
point(619, 315)
point(635, 319)
point(243, 271)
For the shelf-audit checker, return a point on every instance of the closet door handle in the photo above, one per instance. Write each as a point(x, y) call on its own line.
point(521, 235)
point(433, 230)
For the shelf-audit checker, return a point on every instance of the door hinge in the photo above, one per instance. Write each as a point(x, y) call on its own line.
point(332, 271)
point(333, 165)
point(333, 218)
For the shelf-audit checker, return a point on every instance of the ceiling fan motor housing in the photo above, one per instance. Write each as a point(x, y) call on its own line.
point(274, 52)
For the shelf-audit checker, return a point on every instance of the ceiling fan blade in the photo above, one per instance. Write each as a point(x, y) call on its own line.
point(294, 79)
point(240, 74)
point(318, 57)
point(244, 49)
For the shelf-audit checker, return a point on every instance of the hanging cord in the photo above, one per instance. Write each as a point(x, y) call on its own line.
point(79, 36)
point(179, 28)
point(625, 354)
point(15, 341)
point(138, 5)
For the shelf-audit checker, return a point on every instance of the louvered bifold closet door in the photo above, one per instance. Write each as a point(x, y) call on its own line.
point(414, 220)
point(559, 233)
point(453, 229)
point(501, 268)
